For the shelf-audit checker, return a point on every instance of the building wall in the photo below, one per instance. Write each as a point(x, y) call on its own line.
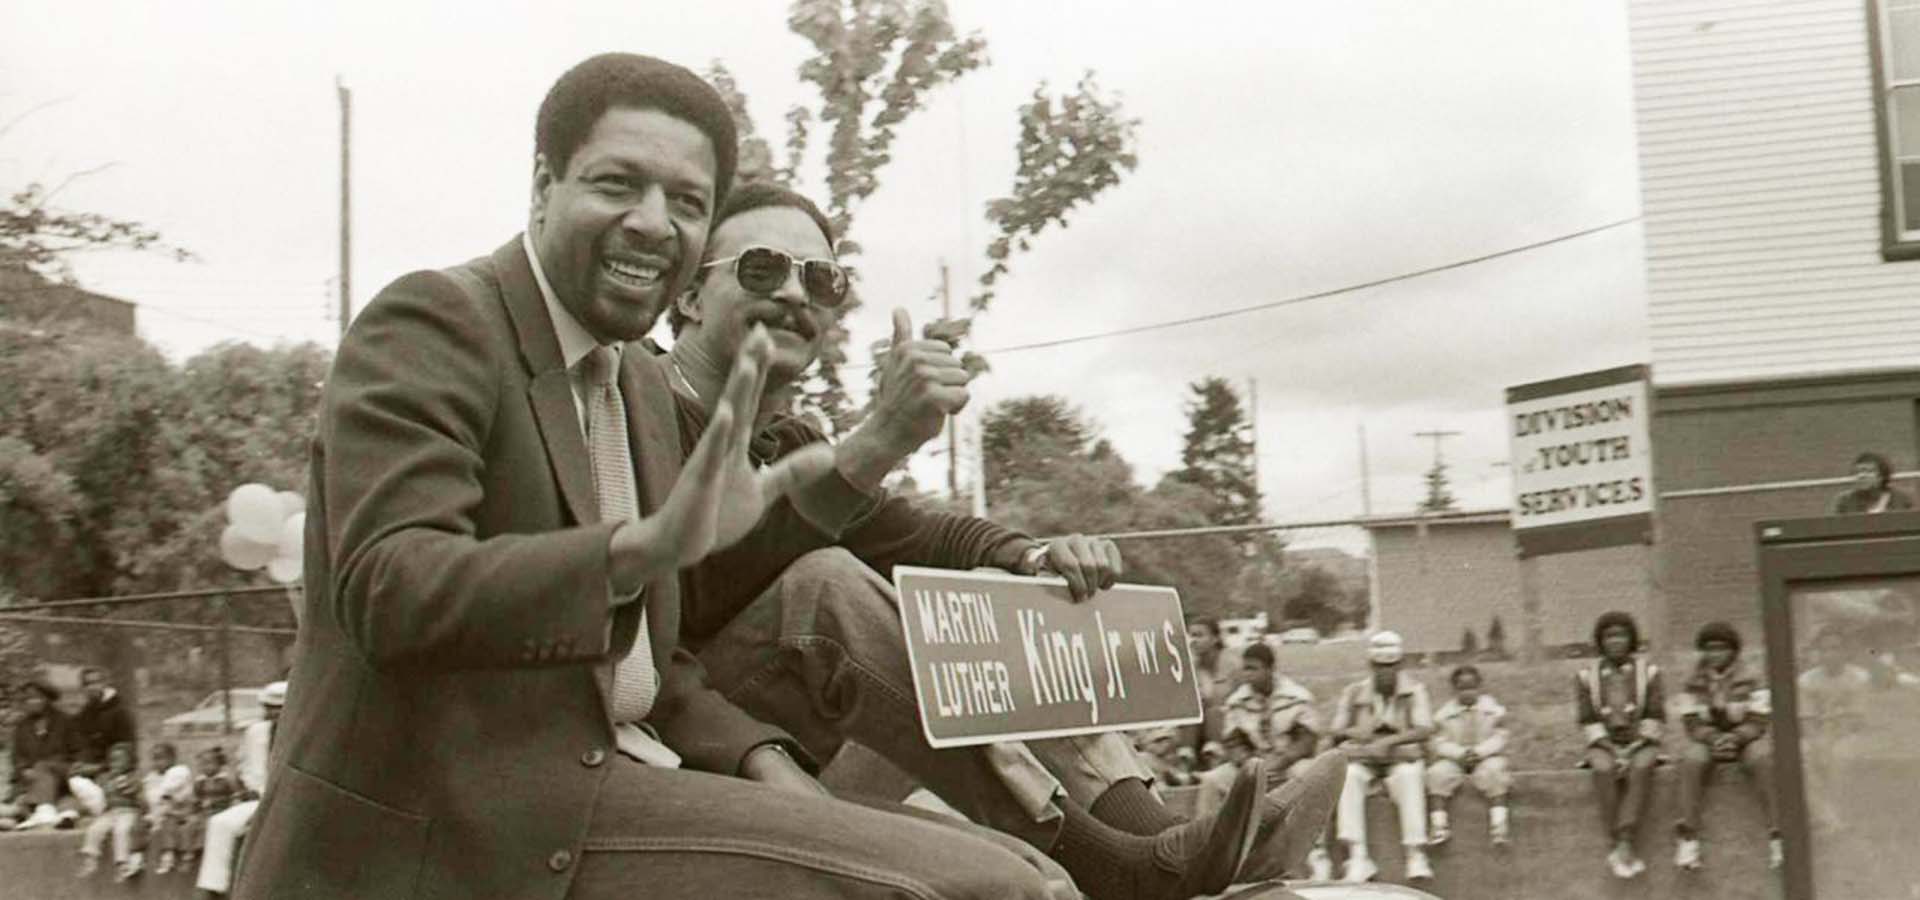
point(1751, 434)
point(1461, 575)
point(1760, 186)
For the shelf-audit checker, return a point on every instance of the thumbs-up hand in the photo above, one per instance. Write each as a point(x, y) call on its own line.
point(921, 383)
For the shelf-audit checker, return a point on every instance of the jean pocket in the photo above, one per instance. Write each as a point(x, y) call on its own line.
point(317, 839)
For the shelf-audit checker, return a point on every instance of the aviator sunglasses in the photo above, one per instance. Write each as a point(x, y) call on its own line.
point(762, 270)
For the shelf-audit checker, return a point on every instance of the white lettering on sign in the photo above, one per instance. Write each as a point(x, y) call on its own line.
point(956, 617)
point(1058, 664)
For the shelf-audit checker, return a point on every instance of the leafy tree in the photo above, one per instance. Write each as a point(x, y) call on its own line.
point(875, 62)
point(36, 235)
point(1024, 438)
point(1497, 637)
point(1314, 595)
point(1469, 642)
point(1217, 456)
point(137, 456)
point(1070, 151)
point(1049, 473)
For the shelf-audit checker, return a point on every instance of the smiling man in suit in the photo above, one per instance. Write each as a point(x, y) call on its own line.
point(489, 699)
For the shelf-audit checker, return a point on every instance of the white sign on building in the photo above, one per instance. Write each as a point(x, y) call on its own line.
point(1582, 461)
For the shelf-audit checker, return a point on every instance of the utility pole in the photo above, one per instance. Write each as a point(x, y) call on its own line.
point(1366, 478)
point(346, 204)
point(1253, 426)
point(1437, 436)
point(953, 426)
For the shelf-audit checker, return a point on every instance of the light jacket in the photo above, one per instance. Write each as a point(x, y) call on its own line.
point(1480, 728)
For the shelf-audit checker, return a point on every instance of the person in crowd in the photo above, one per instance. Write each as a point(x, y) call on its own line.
point(1212, 754)
point(1872, 490)
point(1622, 711)
point(1216, 670)
point(1383, 722)
point(1832, 694)
point(101, 723)
point(1725, 708)
point(498, 515)
point(1469, 742)
point(43, 750)
point(214, 789)
point(1186, 767)
point(225, 828)
point(1275, 714)
point(168, 792)
point(1234, 750)
point(1160, 750)
point(806, 596)
point(124, 804)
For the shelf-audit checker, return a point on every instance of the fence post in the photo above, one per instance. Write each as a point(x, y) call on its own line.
point(226, 666)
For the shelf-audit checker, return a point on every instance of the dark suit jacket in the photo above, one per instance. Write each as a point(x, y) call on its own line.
point(445, 733)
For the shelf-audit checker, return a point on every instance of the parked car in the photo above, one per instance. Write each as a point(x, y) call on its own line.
point(1300, 636)
point(206, 719)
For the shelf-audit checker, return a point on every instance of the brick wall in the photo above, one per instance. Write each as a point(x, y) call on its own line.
point(1726, 435)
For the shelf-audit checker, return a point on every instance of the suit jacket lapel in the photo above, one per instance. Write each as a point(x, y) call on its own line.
point(548, 390)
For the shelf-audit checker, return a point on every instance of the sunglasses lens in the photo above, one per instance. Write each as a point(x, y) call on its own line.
point(762, 270)
point(826, 282)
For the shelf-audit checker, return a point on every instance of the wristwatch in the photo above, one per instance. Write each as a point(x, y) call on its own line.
point(1034, 561)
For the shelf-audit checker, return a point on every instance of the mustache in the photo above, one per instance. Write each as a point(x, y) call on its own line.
point(782, 315)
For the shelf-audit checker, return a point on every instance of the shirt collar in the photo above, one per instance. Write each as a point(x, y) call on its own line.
point(575, 342)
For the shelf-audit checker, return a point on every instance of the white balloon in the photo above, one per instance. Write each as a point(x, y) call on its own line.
point(256, 509)
point(243, 553)
point(292, 542)
point(291, 502)
point(284, 570)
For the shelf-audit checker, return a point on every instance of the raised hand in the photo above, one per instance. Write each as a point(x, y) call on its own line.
point(719, 496)
point(921, 383)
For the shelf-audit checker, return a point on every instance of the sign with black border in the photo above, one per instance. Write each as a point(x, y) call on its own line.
point(1000, 657)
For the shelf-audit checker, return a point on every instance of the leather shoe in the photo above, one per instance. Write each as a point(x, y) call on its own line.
point(1210, 853)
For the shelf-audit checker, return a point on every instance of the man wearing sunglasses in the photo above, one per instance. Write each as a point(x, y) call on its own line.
point(797, 623)
point(490, 698)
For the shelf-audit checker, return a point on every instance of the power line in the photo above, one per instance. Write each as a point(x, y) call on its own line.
point(161, 596)
point(1289, 301)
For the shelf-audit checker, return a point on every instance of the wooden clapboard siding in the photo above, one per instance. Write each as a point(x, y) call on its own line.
point(1761, 189)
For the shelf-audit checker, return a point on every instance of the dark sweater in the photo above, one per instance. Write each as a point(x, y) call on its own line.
point(884, 531)
point(101, 724)
point(47, 737)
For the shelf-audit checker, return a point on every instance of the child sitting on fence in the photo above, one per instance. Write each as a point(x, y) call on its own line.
point(214, 789)
point(122, 789)
point(168, 788)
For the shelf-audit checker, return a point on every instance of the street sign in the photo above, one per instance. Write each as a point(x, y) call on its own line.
point(1582, 461)
point(1000, 657)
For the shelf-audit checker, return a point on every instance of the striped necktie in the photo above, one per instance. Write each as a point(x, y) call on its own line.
point(635, 680)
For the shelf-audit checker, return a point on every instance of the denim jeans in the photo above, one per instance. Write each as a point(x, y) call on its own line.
point(672, 833)
point(821, 654)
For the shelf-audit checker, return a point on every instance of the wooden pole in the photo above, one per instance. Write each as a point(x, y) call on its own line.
point(953, 432)
point(346, 204)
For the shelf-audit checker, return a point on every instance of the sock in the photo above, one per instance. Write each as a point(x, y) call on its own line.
point(1106, 863)
point(1128, 805)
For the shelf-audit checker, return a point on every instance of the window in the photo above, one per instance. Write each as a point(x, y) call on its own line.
point(1896, 39)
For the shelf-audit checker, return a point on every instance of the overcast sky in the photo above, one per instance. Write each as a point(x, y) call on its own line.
point(1285, 149)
